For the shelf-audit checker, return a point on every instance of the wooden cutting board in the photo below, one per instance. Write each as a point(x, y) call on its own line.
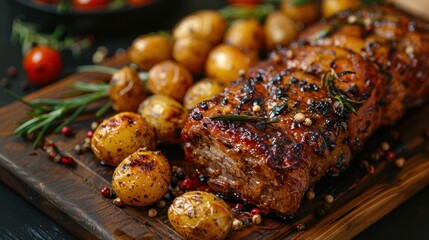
point(72, 196)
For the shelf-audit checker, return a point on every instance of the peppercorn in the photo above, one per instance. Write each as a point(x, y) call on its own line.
point(161, 204)
point(310, 195)
point(256, 108)
point(89, 134)
point(385, 146)
point(308, 122)
point(400, 162)
point(257, 219)
point(329, 198)
point(78, 149)
point(117, 201)
point(86, 147)
point(299, 117)
point(94, 125)
point(186, 184)
point(300, 227)
point(255, 211)
point(237, 224)
point(57, 158)
point(391, 155)
point(52, 155)
point(66, 131)
point(105, 191)
point(67, 160)
point(152, 212)
point(87, 140)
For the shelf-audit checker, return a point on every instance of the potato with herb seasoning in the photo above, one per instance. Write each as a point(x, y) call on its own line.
point(166, 116)
point(306, 12)
point(332, 7)
point(200, 91)
point(126, 90)
point(279, 30)
point(225, 63)
point(247, 35)
point(200, 215)
point(207, 25)
point(170, 78)
point(150, 49)
point(142, 178)
point(119, 136)
point(192, 52)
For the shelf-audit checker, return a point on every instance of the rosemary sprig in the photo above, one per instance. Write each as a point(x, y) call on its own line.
point(328, 81)
point(108, 70)
point(322, 33)
point(243, 118)
point(47, 112)
point(259, 12)
point(26, 34)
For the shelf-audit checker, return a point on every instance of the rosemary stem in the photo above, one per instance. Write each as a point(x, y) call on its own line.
point(97, 68)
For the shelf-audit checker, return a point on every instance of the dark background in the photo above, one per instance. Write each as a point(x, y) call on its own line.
point(20, 220)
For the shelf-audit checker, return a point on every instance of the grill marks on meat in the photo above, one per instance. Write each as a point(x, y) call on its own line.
point(272, 165)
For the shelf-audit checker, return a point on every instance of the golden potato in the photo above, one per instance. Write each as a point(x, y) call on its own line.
point(166, 116)
point(332, 7)
point(305, 13)
point(150, 49)
point(126, 90)
point(200, 91)
point(119, 136)
point(208, 25)
point(245, 34)
point(142, 178)
point(279, 30)
point(170, 78)
point(200, 215)
point(225, 63)
point(192, 53)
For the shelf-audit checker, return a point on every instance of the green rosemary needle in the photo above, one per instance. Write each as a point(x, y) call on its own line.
point(328, 81)
point(48, 112)
point(259, 12)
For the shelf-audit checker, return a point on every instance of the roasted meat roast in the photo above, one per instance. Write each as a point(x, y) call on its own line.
point(303, 112)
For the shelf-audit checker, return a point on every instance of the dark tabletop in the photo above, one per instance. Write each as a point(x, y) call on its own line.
point(20, 220)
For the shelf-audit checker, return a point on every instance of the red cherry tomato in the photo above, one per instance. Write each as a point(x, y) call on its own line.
point(42, 64)
point(89, 4)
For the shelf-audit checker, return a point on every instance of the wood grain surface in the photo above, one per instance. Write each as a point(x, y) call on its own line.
point(71, 195)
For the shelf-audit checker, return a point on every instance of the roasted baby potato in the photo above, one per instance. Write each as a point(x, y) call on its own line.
point(166, 116)
point(200, 215)
point(331, 7)
point(279, 30)
point(170, 78)
point(206, 24)
point(192, 53)
point(225, 63)
point(246, 34)
point(126, 91)
point(119, 136)
point(142, 178)
point(200, 91)
point(150, 49)
point(305, 13)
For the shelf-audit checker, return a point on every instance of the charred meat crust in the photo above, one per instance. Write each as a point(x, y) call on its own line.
point(359, 75)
